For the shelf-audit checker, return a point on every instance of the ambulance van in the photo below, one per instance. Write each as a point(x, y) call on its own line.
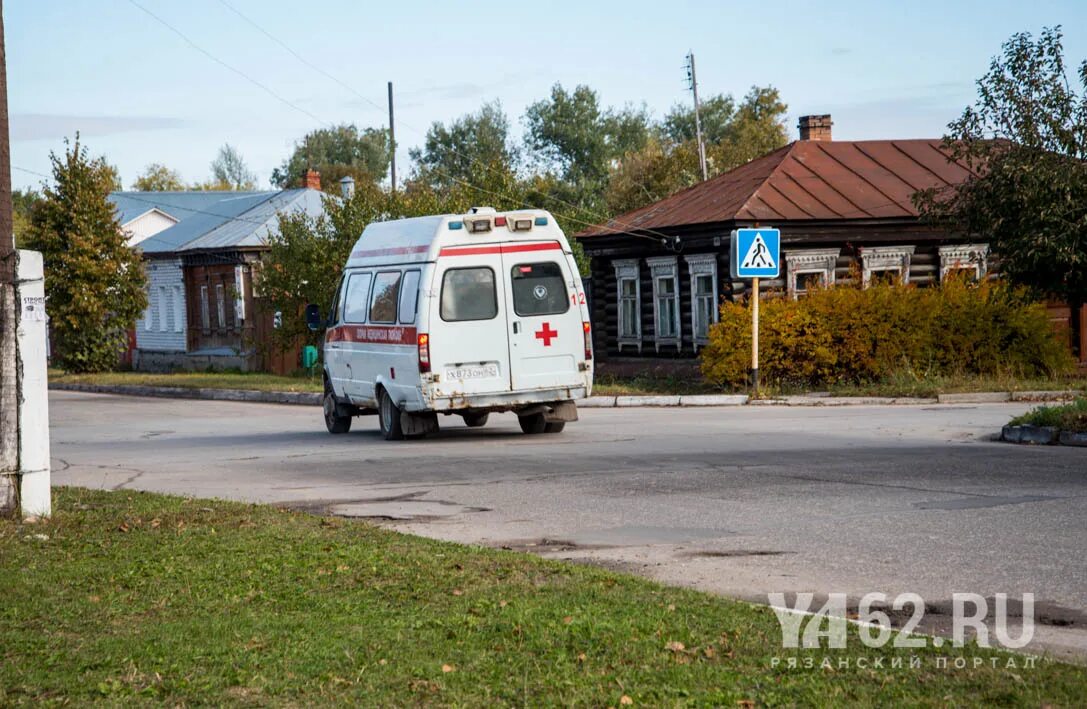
point(462, 315)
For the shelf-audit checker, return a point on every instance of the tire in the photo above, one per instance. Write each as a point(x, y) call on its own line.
point(388, 417)
point(475, 420)
point(534, 423)
point(333, 421)
point(555, 427)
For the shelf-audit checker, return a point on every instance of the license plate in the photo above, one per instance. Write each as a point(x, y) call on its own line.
point(468, 373)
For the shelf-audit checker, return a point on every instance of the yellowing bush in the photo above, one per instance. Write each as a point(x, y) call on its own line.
point(848, 334)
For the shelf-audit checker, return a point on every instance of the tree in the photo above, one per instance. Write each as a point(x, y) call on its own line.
point(1025, 140)
point(336, 153)
point(579, 139)
point(23, 203)
point(471, 149)
point(229, 171)
point(716, 116)
point(94, 283)
point(157, 177)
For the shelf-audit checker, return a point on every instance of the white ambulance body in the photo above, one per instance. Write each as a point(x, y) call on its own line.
point(464, 314)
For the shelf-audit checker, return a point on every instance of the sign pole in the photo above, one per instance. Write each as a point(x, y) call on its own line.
point(755, 337)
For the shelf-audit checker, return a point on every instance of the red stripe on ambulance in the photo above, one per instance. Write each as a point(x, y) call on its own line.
point(380, 334)
point(498, 249)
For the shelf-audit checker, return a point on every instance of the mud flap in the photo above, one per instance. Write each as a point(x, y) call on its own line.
point(418, 424)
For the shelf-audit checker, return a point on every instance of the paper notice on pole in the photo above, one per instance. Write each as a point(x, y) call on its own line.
point(33, 308)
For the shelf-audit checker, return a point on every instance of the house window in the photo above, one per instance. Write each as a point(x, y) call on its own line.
point(179, 310)
point(886, 261)
point(703, 269)
point(205, 317)
point(629, 286)
point(166, 307)
point(972, 259)
point(220, 304)
point(808, 269)
point(665, 275)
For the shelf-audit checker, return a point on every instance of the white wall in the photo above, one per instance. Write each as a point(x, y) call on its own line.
point(146, 225)
point(162, 328)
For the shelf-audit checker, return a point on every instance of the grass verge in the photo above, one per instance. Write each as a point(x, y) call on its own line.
point(195, 380)
point(128, 597)
point(1067, 417)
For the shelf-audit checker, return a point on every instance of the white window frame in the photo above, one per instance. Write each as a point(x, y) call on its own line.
point(702, 265)
point(662, 268)
point(166, 307)
point(179, 309)
point(628, 269)
point(800, 262)
point(205, 311)
point(220, 305)
point(881, 259)
point(964, 257)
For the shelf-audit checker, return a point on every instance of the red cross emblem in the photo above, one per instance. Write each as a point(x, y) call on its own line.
point(547, 334)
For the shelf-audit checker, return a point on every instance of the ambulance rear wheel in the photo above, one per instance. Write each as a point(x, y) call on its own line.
point(555, 427)
point(333, 421)
point(388, 416)
point(534, 423)
point(475, 420)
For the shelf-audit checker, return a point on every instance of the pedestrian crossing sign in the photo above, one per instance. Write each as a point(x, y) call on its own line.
point(756, 253)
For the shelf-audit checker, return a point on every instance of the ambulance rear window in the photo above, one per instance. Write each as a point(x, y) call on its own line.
point(539, 289)
point(468, 294)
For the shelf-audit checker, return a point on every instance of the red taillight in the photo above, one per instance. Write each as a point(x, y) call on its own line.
point(424, 352)
point(588, 340)
point(500, 221)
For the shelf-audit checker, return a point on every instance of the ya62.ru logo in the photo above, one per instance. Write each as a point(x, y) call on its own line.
point(826, 627)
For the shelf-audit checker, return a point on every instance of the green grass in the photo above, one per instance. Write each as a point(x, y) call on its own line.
point(195, 380)
point(1067, 417)
point(905, 384)
point(136, 598)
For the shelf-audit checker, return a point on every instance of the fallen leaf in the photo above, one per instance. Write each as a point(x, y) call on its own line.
point(124, 527)
point(94, 599)
point(342, 567)
point(448, 668)
point(708, 651)
point(458, 592)
point(155, 523)
point(382, 661)
point(745, 703)
point(502, 604)
point(581, 657)
point(671, 606)
point(625, 700)
point(675, 646)
point(568, 619)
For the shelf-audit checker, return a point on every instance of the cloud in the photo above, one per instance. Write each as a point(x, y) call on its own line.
point(841, 51)
point(46, 126)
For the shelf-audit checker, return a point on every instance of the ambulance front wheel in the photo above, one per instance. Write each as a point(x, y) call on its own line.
point(333, 421)
point(388, 416)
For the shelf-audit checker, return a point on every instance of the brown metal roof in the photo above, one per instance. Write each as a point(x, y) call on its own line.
point(805, 180)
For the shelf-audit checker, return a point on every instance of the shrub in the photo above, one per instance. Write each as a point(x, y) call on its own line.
point(849, 334)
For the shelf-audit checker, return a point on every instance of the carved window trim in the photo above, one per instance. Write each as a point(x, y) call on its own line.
point(664, 268)
point(964, 257)
point(628, 269)
point(880, 259)
point(702, 265)
point(821, 261)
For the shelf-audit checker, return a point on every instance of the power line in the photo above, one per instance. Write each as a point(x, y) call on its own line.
point(664, 238)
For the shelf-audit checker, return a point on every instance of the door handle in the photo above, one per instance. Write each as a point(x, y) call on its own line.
point(516, 327)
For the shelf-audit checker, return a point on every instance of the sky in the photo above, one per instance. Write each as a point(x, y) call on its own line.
point(139, 93)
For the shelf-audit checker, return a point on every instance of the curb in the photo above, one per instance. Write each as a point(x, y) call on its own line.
point(265, 397)
point(593, 402)
point(1042, 436)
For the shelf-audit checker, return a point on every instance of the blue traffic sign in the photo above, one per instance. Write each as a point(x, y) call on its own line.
point(756, 253)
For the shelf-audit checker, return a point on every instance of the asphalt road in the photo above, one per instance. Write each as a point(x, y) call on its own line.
point(741, 501)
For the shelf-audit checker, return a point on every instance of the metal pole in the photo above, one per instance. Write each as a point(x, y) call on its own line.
point(9, 370)
point(392, 141)
point(697, 119)
point(755, 337)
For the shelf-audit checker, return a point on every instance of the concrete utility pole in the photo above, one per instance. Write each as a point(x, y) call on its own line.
point(9, 370)
point(392, 140)
point(693, 79)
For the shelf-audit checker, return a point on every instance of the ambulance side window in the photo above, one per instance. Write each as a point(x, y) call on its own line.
point(409, 297)
point(469, 294)
point(539, 289)
point(356, 297)
point(334, 309)
point(386, 293)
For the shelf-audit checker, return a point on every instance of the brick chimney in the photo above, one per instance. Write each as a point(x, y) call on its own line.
point(815, 127)
point(313, 179)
